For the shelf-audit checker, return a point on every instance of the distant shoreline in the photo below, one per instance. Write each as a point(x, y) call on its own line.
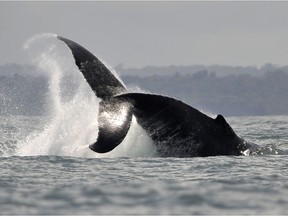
point(23, 88)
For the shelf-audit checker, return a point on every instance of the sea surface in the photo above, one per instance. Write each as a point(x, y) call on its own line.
point(54, 181)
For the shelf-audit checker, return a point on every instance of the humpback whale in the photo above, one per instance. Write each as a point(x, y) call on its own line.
point(177, 129)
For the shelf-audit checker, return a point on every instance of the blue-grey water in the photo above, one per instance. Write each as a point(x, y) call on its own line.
point(60, 184)
point(46, 166)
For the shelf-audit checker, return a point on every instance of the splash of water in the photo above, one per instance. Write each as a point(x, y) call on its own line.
point(38, 37)
point(72, 124)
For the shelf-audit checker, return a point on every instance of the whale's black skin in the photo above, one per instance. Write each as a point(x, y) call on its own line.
point(177, 129)
point(98, 76)
point(182, 131)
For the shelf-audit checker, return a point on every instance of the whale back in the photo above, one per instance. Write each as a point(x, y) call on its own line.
point(181, 130)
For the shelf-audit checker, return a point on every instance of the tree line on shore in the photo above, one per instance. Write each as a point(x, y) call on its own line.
point(235, 94)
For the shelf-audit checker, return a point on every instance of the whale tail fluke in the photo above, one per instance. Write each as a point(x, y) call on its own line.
point(99, 77)
point(114, 118)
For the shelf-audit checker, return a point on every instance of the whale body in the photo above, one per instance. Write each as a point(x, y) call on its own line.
point(177, 129)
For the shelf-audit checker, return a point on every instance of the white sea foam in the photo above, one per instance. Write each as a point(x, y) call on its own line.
point(34, 38)
point(72, 124)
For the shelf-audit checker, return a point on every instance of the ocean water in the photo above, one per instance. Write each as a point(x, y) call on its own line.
point(46, 166)
point(56, 183)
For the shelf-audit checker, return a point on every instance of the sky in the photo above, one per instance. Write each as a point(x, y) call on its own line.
point(155, 33)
